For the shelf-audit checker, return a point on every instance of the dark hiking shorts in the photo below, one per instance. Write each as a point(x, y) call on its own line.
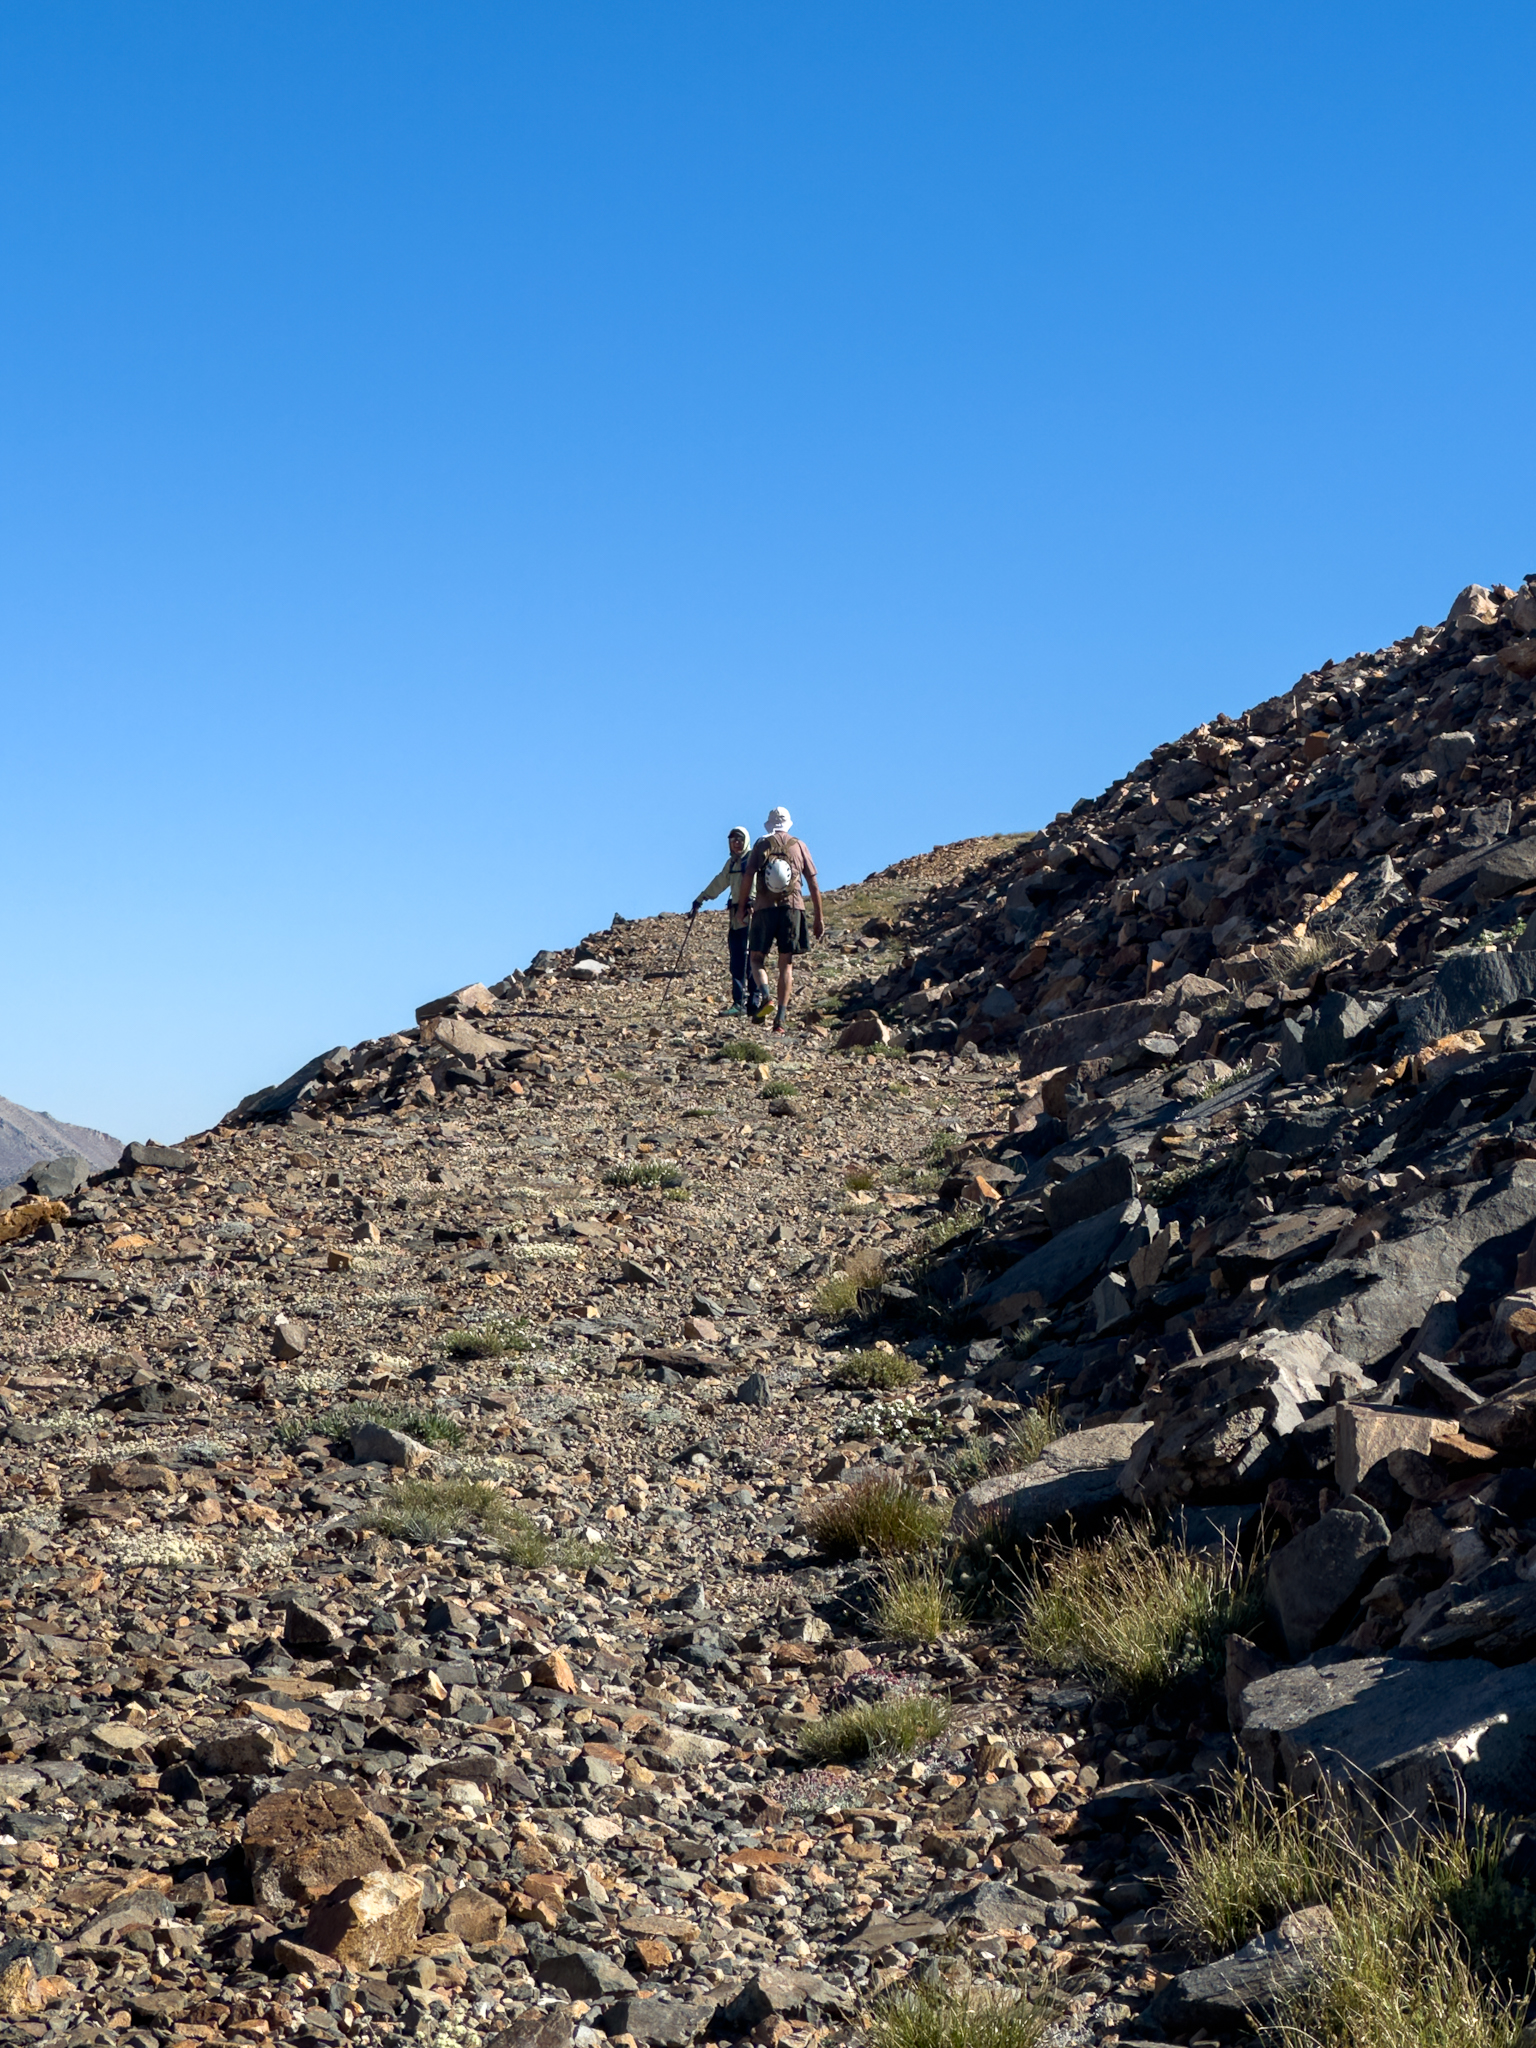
point(784, 927)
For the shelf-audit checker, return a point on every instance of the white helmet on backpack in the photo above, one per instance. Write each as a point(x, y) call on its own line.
point(777, 877)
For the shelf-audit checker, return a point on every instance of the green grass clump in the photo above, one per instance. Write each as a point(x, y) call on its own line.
point(430, 1510)
point(1431, 1949)
point(1432, 1941)
point(880, 1370)
point(839, 1296)
point(644, 1173)
point(1131, 1614)
point(1039, 1425)
point(1380, 1987)
point(859, 1179)
point(915, 1603)
point(747, 1050)
point(336, 1425)
point(941, 2016)
point(943, 1230)
point(878, 1728)
point(488, 1340)
point(778, 1086)
point(882, 1515)
point(427, 1510)
point(985, 1457)
point(1239, 1868)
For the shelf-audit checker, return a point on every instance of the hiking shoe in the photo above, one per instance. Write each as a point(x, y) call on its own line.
point(778, 1028)
point(763, 1010)
point(733, 1010)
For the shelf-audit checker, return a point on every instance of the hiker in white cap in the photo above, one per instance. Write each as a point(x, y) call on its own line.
point(733, 877)
point(777, 865)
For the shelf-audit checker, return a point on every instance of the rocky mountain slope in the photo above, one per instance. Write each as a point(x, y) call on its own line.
point(419, 1617)
point(30, 1135)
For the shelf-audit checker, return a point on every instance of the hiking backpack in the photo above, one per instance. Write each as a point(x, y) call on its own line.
point(778, 874)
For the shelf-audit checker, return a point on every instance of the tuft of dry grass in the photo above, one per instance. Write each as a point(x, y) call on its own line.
point(839, 1296)
point(1130, 1613)
point(877, 1728)
point(881, 1515)
point(1430, 1941)
point(1393, 1980)
point(1039, 1425)
point(430, 1510)
point(915, 1603)
point(1297, 960)
point(1240, 1867)
point(946, 2016)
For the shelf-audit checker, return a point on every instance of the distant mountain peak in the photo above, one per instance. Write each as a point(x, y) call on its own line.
point(28, 1135)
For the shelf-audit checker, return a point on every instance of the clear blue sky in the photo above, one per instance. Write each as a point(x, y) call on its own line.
point(457, 459)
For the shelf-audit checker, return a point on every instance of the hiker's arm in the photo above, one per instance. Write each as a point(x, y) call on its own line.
point(810, 876)
point(721, 881)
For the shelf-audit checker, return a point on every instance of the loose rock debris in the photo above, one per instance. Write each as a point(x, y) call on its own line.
point(413, 1623)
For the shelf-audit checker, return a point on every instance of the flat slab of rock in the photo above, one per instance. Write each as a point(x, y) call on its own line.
point(1071, 1257)
point(1277, 1240)
point(662, 2022)
point(771, 1993)
point(1076, 1477)
point(1248, 1986)
point(878, 1931)
point(1116, 1027)
point(993, 1908)
point(1417, 1730)
point(1314, 1578)
point(1364, 1437)
point(1467, 1244)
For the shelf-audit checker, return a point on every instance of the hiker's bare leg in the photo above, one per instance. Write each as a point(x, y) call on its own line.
point(786, 979)
point(759, 977)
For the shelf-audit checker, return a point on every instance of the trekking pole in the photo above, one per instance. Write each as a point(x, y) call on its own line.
point(671, 974)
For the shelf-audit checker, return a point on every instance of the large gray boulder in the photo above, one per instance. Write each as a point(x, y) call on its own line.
point(1074, 1479)
point(1469, 987)
point(1107, 1184)
point(1245, 1989)
point(1463, 1241)
point(1073, 1257)
point(1400, 1733)
point(1314, 1579)
point(1219, 1424)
